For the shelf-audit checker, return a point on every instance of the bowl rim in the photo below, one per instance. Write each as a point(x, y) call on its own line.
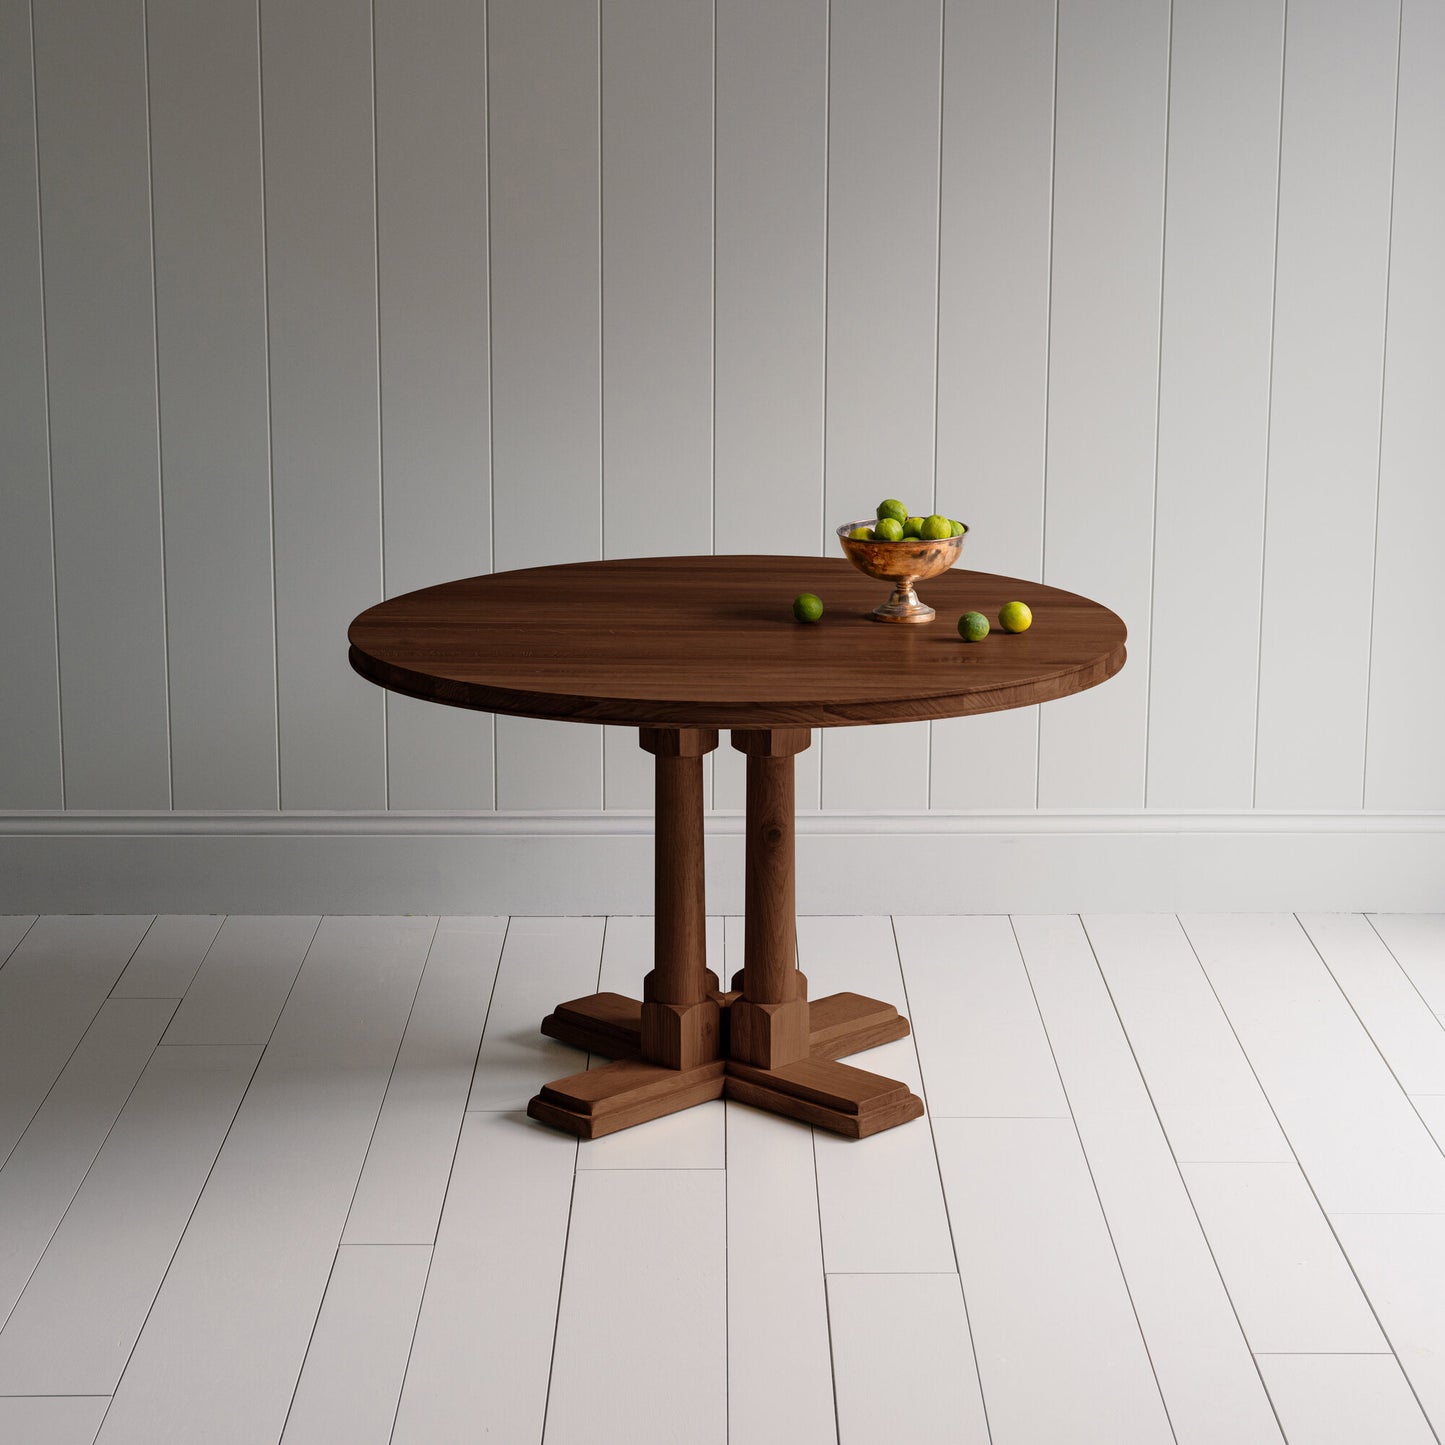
point(842, 533)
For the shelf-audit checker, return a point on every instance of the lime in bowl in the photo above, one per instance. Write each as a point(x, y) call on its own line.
point(905, 563)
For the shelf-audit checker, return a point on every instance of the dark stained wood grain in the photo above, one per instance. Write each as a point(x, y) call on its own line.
point(711, 642)
point(769, 1024)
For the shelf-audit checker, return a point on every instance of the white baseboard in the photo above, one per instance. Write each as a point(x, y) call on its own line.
point(564, 863)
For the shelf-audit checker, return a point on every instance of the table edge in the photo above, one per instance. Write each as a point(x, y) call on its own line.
point(651, 712)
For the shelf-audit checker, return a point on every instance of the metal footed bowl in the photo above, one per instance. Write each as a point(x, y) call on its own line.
point(903, 564)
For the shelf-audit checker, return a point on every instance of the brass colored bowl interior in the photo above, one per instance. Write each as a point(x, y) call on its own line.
point(912, 560)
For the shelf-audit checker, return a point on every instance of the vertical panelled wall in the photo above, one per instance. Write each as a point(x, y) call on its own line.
point(310, 303)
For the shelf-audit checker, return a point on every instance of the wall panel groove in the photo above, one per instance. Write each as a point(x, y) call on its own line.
point(544, 206)
point(1404, 763)
point(160, 432)
point(321, 275)
point(657, 303)
point(1384, 376)
point(32, 766)
point(1103, 375)
point(1213, 428)
point(433, 299)
point(883, 137)
point(771, 314)
point(90, 86)
point(270, 430)
point(215, 433)
point(993, 344)
point(1339, 103)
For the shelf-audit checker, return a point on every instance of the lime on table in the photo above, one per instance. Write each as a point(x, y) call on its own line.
point(935, 528)
point(1015, 617)
point(893, 510)
point(807, 607)
point(973, 627)
point(889, 529)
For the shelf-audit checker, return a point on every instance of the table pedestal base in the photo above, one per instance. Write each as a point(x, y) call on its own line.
point(685, 1041)
point(816, 1090)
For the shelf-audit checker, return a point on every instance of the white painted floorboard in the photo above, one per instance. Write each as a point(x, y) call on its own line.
point(1410, 1038)
point(13, 927)
point(1344, 1400)
point(55, 1152)
point(779, 1357)
point(780, 1373)
point(982, 1044)
point(1060, 1353)
point(242, 1295)
point(1209, 1382)
point(545, 961)
point(642, 1327)
point(1400, 1260)
point(1208, 1098)
point(53, 1419)
point(72, 1331)
point(1431, 1108)
point(361, 1238)
point(483, 1348)
point(882, 1209)
point(239, 992)
point(351, 1381)
point(165, 964)
point(901, 1351)
point(51, 988)
point(1359, 1141)
point(1417, 941)
point(399, 1198)
point(1288, 1278)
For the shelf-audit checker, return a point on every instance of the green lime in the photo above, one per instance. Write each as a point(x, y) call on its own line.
point(861, 534)
point(892, 508)
point(889, 529)
point(807, 607)
point(1015, 617)
point(935, 528)
point(959, 529)
point(973, 627)
point(912, 526)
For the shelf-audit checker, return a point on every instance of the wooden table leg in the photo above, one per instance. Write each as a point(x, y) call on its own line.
point(669, 1042)
point(769, 1022)
point(679, 1010)
point(780, 1045)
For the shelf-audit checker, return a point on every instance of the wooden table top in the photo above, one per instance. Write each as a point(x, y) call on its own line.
point(711, 642)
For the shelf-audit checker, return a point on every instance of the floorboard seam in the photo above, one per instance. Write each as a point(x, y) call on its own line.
point(81, 1185)
point(84, 1031)
point(938, 1165)
point(1178, 1169)
point(371, 1139)
point(1350, 1003)
point(451, 1170)
point(10, 952)
point(1093, 1182)
point(1304, 1174)
point(376, 1123)
point(221, 1149)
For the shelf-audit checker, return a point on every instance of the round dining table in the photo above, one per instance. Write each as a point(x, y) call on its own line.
point(681, 648)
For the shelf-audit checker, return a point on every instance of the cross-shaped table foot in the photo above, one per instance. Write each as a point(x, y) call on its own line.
point(686, 1042)
point(816, 1089)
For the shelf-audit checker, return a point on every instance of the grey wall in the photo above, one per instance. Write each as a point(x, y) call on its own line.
point(311, 306)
